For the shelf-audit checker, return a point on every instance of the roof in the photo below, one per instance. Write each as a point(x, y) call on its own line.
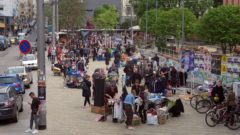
point(16, 67)
point(8, 75)
point(4, 89)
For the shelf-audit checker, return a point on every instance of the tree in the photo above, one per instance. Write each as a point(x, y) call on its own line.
point(140, 5)
point(217, 3)
point(71, 14)
point(106, 17)
point(169, 23)
point(221, 26)
point(199, 7)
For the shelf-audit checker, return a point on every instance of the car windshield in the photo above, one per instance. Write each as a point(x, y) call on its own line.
point(29, 57)
point(3, 97)
point(1, 37)
point(15, 70)
point(7, 80)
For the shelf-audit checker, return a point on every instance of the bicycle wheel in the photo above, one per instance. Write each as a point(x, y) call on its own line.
point(194, 100)
point(234, 122)
point(211, 118)
point(203, 106)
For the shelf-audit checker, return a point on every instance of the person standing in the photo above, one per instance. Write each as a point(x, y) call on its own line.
point(129, 107)
point(35, 107)
point(156, 58)
point(217, 93)
point(107, 57)
point(231, 103)
point(86, 90)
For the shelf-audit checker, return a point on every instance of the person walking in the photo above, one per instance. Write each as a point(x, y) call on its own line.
point(35, 107)
point(129, 107)
point(86, 90)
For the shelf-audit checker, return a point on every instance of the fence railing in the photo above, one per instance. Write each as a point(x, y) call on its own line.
point(169, 52)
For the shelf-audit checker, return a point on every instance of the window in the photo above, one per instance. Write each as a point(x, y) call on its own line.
point(1, 7)
point(11, 93)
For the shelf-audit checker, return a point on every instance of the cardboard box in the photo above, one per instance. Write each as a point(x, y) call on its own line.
point(97, 109)
point(136, 121)
point(162, 119)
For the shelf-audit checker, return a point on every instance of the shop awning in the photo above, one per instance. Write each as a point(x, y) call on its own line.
point(2, 25)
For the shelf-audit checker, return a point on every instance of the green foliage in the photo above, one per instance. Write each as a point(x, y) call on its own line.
point(217, 3)
point(199, 7)
point(106, 17)
point(221, 26)
point(169, 23)
point(140, 5)
point(48, 12)
point(71, 14)
point(127, 23)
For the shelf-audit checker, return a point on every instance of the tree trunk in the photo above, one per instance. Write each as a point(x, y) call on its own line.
point(224, 48)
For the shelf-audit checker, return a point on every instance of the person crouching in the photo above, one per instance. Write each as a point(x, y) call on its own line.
point(129, 107)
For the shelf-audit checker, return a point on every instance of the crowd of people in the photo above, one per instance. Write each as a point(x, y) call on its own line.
point(142, 74)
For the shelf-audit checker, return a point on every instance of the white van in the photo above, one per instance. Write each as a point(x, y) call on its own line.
point(21, 36)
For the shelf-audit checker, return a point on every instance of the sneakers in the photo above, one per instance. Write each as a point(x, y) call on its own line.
point(131, 128)
point(28, 131)
point(35, 131)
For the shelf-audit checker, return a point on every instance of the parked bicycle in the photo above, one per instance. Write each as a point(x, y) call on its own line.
point(218, 115)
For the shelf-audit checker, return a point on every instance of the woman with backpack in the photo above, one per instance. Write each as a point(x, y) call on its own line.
point(86, 90)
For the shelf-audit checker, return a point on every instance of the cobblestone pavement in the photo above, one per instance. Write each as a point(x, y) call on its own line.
point(65, 116)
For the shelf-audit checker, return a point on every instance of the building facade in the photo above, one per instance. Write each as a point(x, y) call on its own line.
point(127, 11)
point(8, 12)
point(231, 2)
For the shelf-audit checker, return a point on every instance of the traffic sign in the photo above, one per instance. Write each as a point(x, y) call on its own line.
point(25, 47)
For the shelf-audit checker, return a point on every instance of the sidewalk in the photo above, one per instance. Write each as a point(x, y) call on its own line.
point(65, 116)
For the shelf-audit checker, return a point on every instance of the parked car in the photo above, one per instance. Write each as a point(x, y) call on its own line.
point(12, 80)
point(30, 61)
point(13, 40)
point(11, 103)
point(21, 36)
point(34, 46)
point(22, 72)
point(3, 43)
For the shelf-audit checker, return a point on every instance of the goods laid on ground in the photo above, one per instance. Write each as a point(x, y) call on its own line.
point(56, 71)
point(97, 109)
point(136, 120)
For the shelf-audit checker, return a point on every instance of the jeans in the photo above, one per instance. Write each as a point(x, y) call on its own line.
point(34, 117)
point(129, 114)
point(87, 100)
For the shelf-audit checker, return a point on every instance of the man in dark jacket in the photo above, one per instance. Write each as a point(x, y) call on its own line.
point(86, 90)
point(129, 72)
point(217, 93)
point(148, 73)
point(136, 76)
point(160, 85)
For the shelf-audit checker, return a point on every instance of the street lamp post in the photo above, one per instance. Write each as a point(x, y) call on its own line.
point(132, 24)
point(57, 16)
point(156, 9)
point(146, 34)
point(53, 23)
point(183, 36)
point(41, 64)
